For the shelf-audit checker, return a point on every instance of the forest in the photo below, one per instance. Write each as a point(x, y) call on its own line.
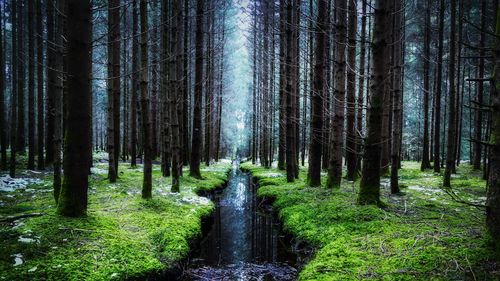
point(250, 140)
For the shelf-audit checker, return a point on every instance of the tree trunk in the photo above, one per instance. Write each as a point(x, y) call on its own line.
point(21, 131)
point(3, 129)
point(452, 116)
point(397, 93)
point(426, 164)
point(437, 97)
point(317, 98)
point(175, 69)
point(290, 98)
point(31, 85)
point(361, 90)
point(147, 184)
point(13, 100)
point(186, 85)
point(113, 88)
point(493, 201)
point(194, 169)
point(58, 97)
point(369, 192)
point(40, 100)
point(73, 198)
point(337, 132)
point(282, 88)
point(135, 81)
point(51, 82)
point(478, 126)
point(351, 93)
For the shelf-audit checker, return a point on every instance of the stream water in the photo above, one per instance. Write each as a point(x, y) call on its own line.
point(244, 241)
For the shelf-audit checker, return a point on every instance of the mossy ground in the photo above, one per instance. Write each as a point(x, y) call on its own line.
point(422, 233)
point(122, 237)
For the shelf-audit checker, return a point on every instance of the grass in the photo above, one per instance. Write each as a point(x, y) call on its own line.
point(123, 236)
point(422, 234)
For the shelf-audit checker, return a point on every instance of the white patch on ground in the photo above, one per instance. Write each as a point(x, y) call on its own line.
point(8, 184)
point(272, 175)
point(98, 171)
point(18, 259)
point(425, 190)
point(23, 239)
point(197, 200)
point(33, 269)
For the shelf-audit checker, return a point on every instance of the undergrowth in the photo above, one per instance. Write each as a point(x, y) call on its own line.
point(122, 237)
point(421, 234)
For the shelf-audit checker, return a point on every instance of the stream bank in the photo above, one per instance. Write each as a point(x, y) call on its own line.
point(244, 238)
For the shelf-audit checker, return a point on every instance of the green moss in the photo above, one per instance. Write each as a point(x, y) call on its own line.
point(421, 234)
point(122, 237)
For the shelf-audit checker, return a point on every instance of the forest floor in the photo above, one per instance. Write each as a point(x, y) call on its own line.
point(122, 237)
point(424, 233)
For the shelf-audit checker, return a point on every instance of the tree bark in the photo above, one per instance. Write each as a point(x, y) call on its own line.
point(135, 81)
point(40, 81)
point(113, 88)
point(21, 130)
point(337, 132)
point(361, 89)
point(426, 164)
point(493, 198)
point(437, 97)
point(175, 69)
point(146, 123)
point(317, 98)
point(351, 92)
point(369, 192)
point(194, 169)
point(73, 198)
point(282, 89)
point(31, 85)
point(478, 122)
point(397, 93)
point(13, 100)
point(452, 116)
point(51, 82)
point(3, 129)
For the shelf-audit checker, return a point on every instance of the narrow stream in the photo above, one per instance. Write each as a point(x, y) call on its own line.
point(244, 241)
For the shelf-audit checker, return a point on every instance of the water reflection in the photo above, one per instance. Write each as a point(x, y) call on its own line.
point(244, 241)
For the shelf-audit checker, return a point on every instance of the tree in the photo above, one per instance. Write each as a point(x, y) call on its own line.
point(397, 94)
point(31, 85)
point(13, 103)
point(194, 168)
point(3, 129)
point(291, 169)
point(437, 96)
point(113, 88)
point(147, 184)
point(21, 128)
point(58, 95)
point(478, 122)
point(426, 164)
point(73, 197)
point(369, 192)
point(337, 131)
point(282, 88)
point(493, 199)
point(51, 82)
point(361, 88)
point(135, 79)
point(350, 150)
point(452, 116)
point(317, 98)
point(40, 96)
point(175, 72)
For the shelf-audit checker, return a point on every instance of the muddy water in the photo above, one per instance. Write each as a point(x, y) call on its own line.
point(244, 241)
